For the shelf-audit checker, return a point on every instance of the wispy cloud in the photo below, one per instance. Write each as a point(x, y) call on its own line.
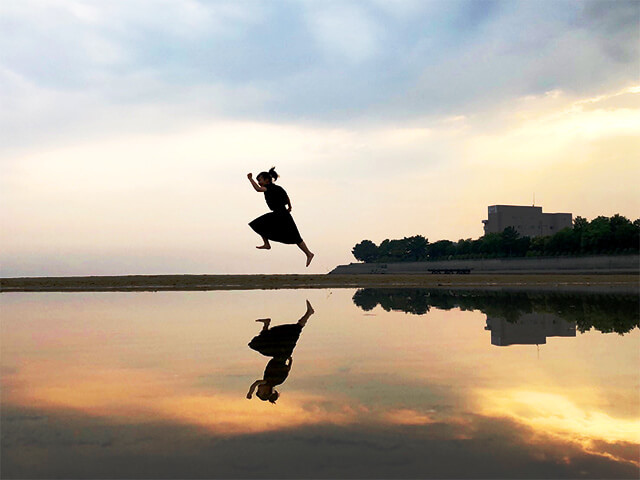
point(329, 61)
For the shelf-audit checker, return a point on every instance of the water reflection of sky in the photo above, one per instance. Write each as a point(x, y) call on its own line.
point(154, 384)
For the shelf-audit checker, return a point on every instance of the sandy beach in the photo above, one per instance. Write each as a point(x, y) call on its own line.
point(600, 282)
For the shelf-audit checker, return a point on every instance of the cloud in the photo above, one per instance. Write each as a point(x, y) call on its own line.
point(73, 445)
point(94, 63)
point(616, 26)
point(344, 31)
point(557, 415)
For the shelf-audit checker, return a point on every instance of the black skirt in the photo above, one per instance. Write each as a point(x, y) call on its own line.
point(277, 226)
point(277, 342)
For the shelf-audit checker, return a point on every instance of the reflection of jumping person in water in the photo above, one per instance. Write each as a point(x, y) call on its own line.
point(277, 342)
point(277, 225)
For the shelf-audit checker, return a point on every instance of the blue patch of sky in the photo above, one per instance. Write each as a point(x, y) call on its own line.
point(261, 51)
point(46, 53)
point(280, 46)
point(331, 86)
point(472, 14)
point(440, 59)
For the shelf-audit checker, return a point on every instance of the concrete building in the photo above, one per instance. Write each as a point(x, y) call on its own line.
point(529, 329)
point(527, 221)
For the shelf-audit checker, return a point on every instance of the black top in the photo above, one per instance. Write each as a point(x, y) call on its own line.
point(276, 197)
point(276, 371)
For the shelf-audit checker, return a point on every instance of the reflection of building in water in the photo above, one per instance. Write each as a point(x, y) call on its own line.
point(529, 329)
point(527, 221)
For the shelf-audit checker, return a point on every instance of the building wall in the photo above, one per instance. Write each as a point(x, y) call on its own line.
point(592, 264)
point(554, 222)
point(527, 221)
point(528, 329)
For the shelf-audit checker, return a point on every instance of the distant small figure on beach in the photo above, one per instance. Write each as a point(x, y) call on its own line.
point(277, 225)
point(277, 342)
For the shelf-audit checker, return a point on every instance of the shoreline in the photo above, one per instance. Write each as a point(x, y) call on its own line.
point(574, 265)
point(628, 283)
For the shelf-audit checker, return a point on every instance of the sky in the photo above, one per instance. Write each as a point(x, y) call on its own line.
point(128, 127)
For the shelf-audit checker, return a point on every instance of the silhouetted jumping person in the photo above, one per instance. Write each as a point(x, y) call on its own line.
point(277, 225)
point(277, 342)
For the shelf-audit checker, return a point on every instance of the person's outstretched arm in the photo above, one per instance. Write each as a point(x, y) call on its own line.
point(253, 387)
point(257, 187)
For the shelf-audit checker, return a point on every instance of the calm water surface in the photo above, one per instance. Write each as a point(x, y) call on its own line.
point(380, 384)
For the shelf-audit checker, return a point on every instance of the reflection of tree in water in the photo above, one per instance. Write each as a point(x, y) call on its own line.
point(605, 312)
point(414, 301)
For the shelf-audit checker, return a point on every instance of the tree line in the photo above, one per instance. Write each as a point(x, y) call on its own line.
point(600, 236)
point(603, 312)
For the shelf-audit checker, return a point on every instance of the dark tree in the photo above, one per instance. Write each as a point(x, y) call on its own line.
point(580, 224)
point(464, 247)
point(509, 238)
point(598, 235)
point(366, 251)
point(565, 241)
point(442, 248)
point(491, 244)
point(623, 232)
point(417, 248)
point(603, 235)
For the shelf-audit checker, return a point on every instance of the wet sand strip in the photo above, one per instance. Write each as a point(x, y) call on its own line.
point(132, 283)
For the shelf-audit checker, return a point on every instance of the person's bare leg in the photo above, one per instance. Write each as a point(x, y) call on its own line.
point(303, 246)
point(266, 245)
point(310, 311)
point(265, 323)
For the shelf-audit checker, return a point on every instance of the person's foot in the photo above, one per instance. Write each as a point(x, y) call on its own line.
point(309, 258)
point(265, 323)
point(310, 308)
point(264, 247)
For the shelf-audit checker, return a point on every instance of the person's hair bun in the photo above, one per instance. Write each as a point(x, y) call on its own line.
point(273, 174)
